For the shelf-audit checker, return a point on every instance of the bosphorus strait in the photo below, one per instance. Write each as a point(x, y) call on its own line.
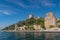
point(29, 36)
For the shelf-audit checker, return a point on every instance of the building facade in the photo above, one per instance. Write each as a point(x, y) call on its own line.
point(49, 20)
point(37, 27)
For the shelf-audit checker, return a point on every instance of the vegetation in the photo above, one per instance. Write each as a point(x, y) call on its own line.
point(59, 26)
point(51, 26)
point(58, 20)
point(28, 22)
point(31, 28)
point(11, 27)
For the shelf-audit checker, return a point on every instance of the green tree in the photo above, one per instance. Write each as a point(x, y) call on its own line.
point(31, 27)
point(51, 26)
point(59, 26)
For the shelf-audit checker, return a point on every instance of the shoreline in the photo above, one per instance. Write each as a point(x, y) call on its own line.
point(35, 31)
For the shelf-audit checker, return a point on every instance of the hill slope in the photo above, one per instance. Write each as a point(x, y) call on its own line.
point(27, 22)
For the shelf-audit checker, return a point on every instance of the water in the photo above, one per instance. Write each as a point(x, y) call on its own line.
point(29, 36)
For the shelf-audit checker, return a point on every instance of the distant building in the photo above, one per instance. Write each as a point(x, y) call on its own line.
point(50, 19)
point(37, 27)
point(58, 19)
point(31, 16)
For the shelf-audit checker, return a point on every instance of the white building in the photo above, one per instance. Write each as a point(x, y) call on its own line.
point(31, 16)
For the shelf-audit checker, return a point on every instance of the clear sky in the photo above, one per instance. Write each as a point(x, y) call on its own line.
point(12, 11)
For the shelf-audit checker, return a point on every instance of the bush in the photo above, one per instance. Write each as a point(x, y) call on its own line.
point(51, 26)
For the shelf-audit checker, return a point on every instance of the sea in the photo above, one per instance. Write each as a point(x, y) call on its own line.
point(29, 36)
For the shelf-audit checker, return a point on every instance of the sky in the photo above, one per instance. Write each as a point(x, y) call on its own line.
point(13, 11)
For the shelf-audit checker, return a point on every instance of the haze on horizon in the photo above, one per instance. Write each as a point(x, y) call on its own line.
point(12, 11)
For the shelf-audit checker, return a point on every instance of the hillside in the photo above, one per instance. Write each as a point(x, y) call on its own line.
point(27, 22)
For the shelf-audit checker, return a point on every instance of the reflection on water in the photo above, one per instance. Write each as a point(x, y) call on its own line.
point(29, 36)
point(50, 36)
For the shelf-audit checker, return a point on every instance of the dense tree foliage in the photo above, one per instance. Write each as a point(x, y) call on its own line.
point(59, 26)
point(51, 26)
point(11, 27)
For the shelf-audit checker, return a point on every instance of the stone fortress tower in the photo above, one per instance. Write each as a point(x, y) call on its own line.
point(50, 19)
